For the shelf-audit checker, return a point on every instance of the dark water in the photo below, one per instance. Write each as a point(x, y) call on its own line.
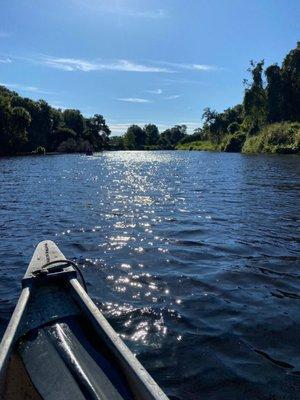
point(193, 257)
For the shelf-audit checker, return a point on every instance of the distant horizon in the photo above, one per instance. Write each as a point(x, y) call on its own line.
point(135, 63)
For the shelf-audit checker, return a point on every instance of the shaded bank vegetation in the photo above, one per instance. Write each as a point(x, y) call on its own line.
point(268, 120)
point(28, 126)
point(149, 138)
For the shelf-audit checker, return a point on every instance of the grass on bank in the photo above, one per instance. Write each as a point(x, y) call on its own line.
point(280, 138)
point(277, 138)
point(199, 145)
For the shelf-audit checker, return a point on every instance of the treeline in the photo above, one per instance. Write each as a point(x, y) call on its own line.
point(28, 126)
point(267, 120)
point(148, 138)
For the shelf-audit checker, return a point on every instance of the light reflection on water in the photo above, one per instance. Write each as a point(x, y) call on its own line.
point(193, 257)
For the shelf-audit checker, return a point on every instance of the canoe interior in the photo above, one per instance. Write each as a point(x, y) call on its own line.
point(60, 356)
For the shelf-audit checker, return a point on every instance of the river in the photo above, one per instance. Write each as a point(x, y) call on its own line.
point(192, 256)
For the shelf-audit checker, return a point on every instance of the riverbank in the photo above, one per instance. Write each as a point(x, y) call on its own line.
point(279, 138)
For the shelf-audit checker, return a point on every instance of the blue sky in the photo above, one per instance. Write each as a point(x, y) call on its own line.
point(141, 61)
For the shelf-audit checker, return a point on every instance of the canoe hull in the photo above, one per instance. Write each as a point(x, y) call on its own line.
point(62, 344)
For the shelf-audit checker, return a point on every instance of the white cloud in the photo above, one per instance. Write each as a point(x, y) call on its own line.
point(195, 67)
point(172, 97)
point(75, 64)
point(134, 100)
point(5, 60)
point(200, 67)
point(155, 91)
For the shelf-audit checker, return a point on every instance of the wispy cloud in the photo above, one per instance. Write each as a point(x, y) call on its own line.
point(122, 10)
point(155, 91)
point(4, 34)
point(191, 67)
point(172, 97)
point(126, 12)
point(25, 88)
point(183, 81)
point(75, 64)
point(134, 100)
point(5, 60)
point(71, 64)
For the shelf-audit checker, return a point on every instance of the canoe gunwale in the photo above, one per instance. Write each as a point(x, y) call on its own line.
point(136, 374)
point(141, 383)
point(13, 330)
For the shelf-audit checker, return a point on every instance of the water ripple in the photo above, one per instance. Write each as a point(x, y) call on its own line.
point(193, 257)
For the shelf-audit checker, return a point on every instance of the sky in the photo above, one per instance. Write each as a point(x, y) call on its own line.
point(141, 61)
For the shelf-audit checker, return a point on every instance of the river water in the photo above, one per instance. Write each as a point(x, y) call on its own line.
point(192, 256)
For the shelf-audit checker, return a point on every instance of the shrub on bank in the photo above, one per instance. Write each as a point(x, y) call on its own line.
point(200, 145)
point(233, 143)
point(40, 150)
point(278, 138)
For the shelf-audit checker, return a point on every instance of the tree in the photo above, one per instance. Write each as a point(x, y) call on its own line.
point(97, 132)
point(152, 134)
point(274, 94)
point(26, 124)
point(255, 99)
point(170, 137)
point(290, 72)
point(134, 138)
point(61, 135)
point(14, 122)
point(116, 143)
point(73, 119)
point(233, 127)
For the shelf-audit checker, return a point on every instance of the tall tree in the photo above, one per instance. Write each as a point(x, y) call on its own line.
point(170, 137)
point(274, 94)
point(74, 120)
point(291, 84)
point(152, 134)
point(97, 132)
point(134, 138)
point(255, 99)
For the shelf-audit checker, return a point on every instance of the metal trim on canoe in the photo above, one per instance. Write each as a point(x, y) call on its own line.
point(143, 385)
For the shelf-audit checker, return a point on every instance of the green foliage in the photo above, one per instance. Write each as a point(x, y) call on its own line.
point(152, 134)
point(135, 138)
point(233, 127)
point(200, 145)
point(170, 137)
point(198, 135)
point(274, 94)
point(281, 137)
point(40, 150)
point(74, 120)
point(97, 132)
point(290, 72)
point(116, 143)
point(26, 125)
point(14, 122)
point(216, 125)
point(233, 143)
point(68, 146)
point(255, 102)
point(253, 126)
